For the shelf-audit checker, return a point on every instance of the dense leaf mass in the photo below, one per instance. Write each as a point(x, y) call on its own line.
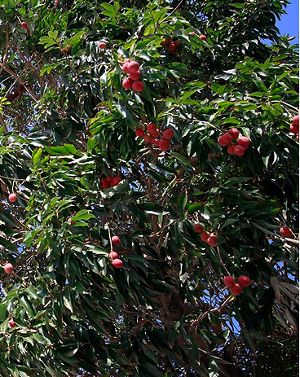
point(90, 166)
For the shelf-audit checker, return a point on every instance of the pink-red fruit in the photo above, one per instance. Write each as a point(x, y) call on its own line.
point(113, 255)
point(230, 149)
point(152, 129)
point(135, 76)
point(164, 144)
point(285, 231)
point(244, 281)
point(239, 150)
point(24, 25)
point(102, 45)
point(125, 66)
point(137, 86)
point(117, 263)
point(295, 121)
point(116, 180)
point(224, 140)
point(204, 236)
point(11, 323)
point(12, 198)
point(198, 228)
point(133, 67)
point(236, 289)
point(168, 134)
point(139, 132)
point(8, 268)
point(127, 83)
point(202, 37)
point(115, 240)
point(212, 240)
point(294, 129)
point(234, 132)
point(244, 141)
point(229, 281)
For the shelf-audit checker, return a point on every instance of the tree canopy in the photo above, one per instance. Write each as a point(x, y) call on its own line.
point(149, 189)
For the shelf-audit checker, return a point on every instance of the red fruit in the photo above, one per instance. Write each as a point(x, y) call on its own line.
point(244, 141)
point(148, 139)
point(24, 25)
point(127, 83)
point(11, 323)
point(294, 129)
point(244, 281)
point(239, 150)
point(117, 263)
point(198, 228)
point(168, 134)
point(164, 144)
point(115, 240)
point(155, 142)
point(224, 140)
point(204, 236)
point(105, 183)
point(116, 180)
point(230, 149)
point(109, 178)
point(152, 129)
point(172, 48)
point(102, 45)
point(285, 231)
point(212, 240)
point(8, 268)
point(113, 255)
point(125, 66)
point(133, 67)
point(228, 281)
point(12, 198)
point(203, 37)
point(236, 289)
point(139, 132)
point(135, 76)
point(137, 86)
point(295, 121)
point(234, 132)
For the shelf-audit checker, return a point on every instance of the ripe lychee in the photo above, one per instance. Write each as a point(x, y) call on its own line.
point(127, 83)
point(133, 67)
point(244, 281)
point(117, 263)
point(113, 255)
point(138, 86)
point(12, 198)
point(115, 240)
point(285, 231)
point(228, 281)
point(164, 144)
point(8, 268)
point(11, 323)
point(168, 134)
point(236, 289)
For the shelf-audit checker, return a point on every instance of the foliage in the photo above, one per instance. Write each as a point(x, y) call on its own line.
point(66, 122)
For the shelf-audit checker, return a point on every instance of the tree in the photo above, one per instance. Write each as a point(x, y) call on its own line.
point(89, 160)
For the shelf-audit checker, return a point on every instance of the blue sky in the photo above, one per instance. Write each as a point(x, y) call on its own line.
point(289, 22)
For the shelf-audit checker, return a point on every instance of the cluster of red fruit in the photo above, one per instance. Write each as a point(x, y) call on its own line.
point(235, 143)
point(113, 255)
point(209, 238)
point(294, 127)
point(170, 45)
point(132, 68)
point(236, 288)
point(110, 181)
point(155, 137)
point(285, 231)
